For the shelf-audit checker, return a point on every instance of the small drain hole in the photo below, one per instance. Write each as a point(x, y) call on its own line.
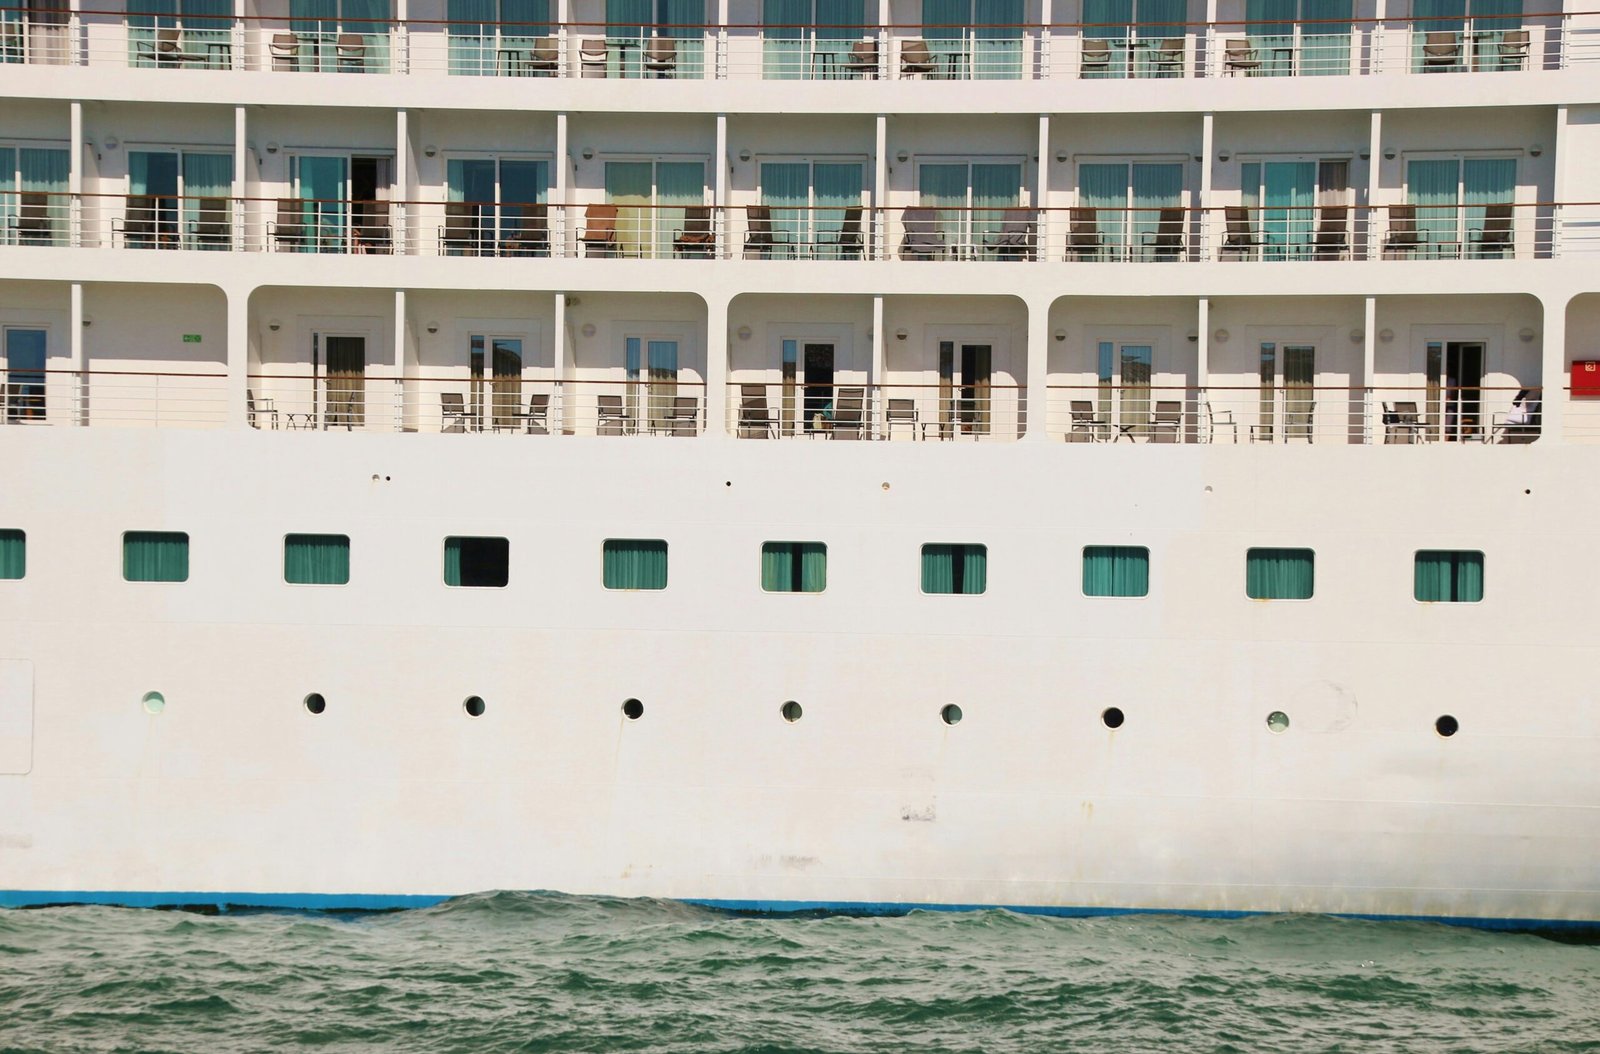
point(1111, 717)
point(315, 704)
point(633, 709)
point(474, 706)
point(1447, 726)
point(791, 711)
point(951, 714)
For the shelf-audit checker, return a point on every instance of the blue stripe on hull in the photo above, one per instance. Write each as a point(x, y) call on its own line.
point(27, 898)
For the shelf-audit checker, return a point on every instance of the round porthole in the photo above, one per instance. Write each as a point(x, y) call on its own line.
point(951, 714)
point(1447, 726)
point(1278, 721)
point(153, 702)
point(1111, 717)
point(315, 704)
point(633, 709)
point(474, 706)
point(791, 711)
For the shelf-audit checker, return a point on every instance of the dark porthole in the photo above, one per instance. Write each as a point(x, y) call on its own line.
point(474, 706)
point(315, 704)
point(791, 711)
point(1111, 717)
point(951, 714)
point(633, 709)
point(1447, 726)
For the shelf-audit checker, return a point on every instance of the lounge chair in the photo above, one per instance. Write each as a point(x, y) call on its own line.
point(462, 234)
point(599, 230)
point(661, 57)
point(759, 237)
point(285, 51)
point(1219, 419)
point(538, 415)
point(755, 422)
point(916, 59)
point(847, 414)
point(1403, 235)
point(1166, 421)
point(169, 47)
point(525, 230)
point(1166, 58)
point(1166, 241)
point(683, 416)
point(847, 241)
point(1332, 240)
point(255, 409)
point(923, 240)
point(900, 412)
point(594, 56)
point(453, 414)
point(1083, 233)
point(1017, 238)
point(290, 231)
point(138, 224)
point(351, 51)
point(1441, 51)
point(1239, 235)
point(1494, 237)
point(1095, 58)
point(1521, 423)
point(1513, 49)
point(210, 228)
point(1402, 423)
point(1087, 426)
point(544, 57)
point(1239, 57)
point(611, 418)
point(371, 228)
point(695, 238)
point(863, 59)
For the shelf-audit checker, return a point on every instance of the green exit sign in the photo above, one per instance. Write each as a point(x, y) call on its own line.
point(191, 338)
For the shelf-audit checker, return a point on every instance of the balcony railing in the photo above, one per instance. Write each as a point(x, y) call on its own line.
point(953, 410)
point(121, 398)
point(833, 233)
point(901, 51)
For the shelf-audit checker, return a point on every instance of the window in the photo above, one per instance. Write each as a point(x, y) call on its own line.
point(1321, 26)
point(318, 24)
point(155, 556)
point(632, 563)
point(808, 200)
point(950, 568)
point(995, 49)
point(316, 559)
point(970, 199)
point(477, 562)
point(1116, 571)
point(805, 39)
point(1128, 198)
point(1463, 204)
point(1279, 574)
point(178, 198)
point(504, 366)
point(13, 554)
point(33, 195)
point(496, 206)
point(794, 567)
point(1445, 576)
point(1129, 26)
point(652, 196)
point(629, 23)
point(481, 47)
point(1284, 199)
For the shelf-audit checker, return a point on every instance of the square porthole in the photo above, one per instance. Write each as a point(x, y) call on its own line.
point(634, 563)
point(1447, 576)
point(1279, 574)
point(13, 554)
point(316, 559)
point(477, 563)
point(794, 567)
point(155, 556)
point(1116, 571)
point(961, 569)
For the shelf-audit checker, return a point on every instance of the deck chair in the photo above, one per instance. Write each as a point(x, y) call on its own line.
point(453, 415)
point(755, 422)
point(351, 51)
point(139, 222)
point(460, 235)
point(759, 237)
point(1166, 58)
point(1513, 48)
point(923, 240)
point(847, 240)
point(525, 230)
point(1239, 236)
point(1521, 423)
point(285, 51)
point(683, 416)
point(916, 59)
point(1083, 233)
point(538, 415)
point(1017, 238)
point(289, 231)
point(1087, 426)
point(1441, 51)
point(695, 238)
point(1220, 419)
point(661, 57)
point(1494, 237)
point(1166, 241)
point(900, 412)
point(594, 56)
point(32, 221)
point(1239, 57)
point(544, 57)
point(1402, 423)
point(611, 418)
point(169, 47)
point(847, 414)
point(1095, 57)
point(1332, 240)
point(371, 227)
point(863, 59)
point(599, 230)
point(255, 409)
point(210, 228)
point(1403, 235)
point(1166, 421)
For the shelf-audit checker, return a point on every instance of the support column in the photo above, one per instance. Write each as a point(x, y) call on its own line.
point(75, 360)
point(240, 189)
point(876, 378)
point(558, 396)
point(880, 187)
point(724, 228)
point(716, 367)
point(1369, 365)
point(1553, 373)
point(1208, 158)
point(1558, 191)
point(402, 174)
point(1037, 404)
point(238, 355)
point(75, 176)
point(1374, 166)
point(399, 360)
point(563, 167)
point(1202, 349)
point(1041, 200)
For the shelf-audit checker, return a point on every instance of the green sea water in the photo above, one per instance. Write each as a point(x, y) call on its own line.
point(540, 972)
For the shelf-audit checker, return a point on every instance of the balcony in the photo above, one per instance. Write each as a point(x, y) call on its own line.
point(735, 51)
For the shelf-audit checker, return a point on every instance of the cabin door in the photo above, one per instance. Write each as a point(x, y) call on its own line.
point(344, 387)
point(1124, 377)
point(24, 374)
point(817, 377)
point(1455, 389)
point(965, 401)
point(1288, 381)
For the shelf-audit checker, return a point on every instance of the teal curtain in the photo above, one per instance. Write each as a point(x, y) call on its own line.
point(1110, 20)
point(835, 186)
point(684, 20)
point(46, 170)
point(1105, 188)
point(319, 559)
point(522, 184)
point(628, 23)
point(322, 182)
point(472, 39)
point(1153, 187)
point(1290, 216)
point(370, 18)
point(1279, 574)
point(207, 176)
point(786, 188)
point(13, 553)
point(1325, 38)
point(477, 562)
point(629, 563)
point(784, 39)
point(145, 17)
point(994, 189)
point(1486, 181)
point(316, 24)
point(1431, 186)
point(1436, 16)
point(678, 183)
point(1448, 577)
point(997, 43)
point(944, 27)
point(1116, 571)
point(155, 556)
point(8, 188)
point(1158, 20)
point(1491, 19)
point(945, 188)
point(1271, 29)
point(794, 567)
point(839, 24)
point(153, 172)
point(955, 569)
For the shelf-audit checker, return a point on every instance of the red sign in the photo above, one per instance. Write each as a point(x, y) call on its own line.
point(1586, 378)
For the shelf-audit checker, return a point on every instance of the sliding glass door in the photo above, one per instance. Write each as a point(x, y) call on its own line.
point(1464, 205)
point(652, 375)
point(179, 198)
point(1124, 374)
point(979, 39)
point(808, 200)
point(810, 39)
point(504, 203)
point(24, 376)
point(495, 363)
point(1301, 37)
point(1128, 198)
point(652, 196)
point(1286, 197)
point(485, 34)
point(33, 195)
point(1131, 34)
point(1297, 366)
point(318, 25)
point(970, 199)
point(631, 26)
